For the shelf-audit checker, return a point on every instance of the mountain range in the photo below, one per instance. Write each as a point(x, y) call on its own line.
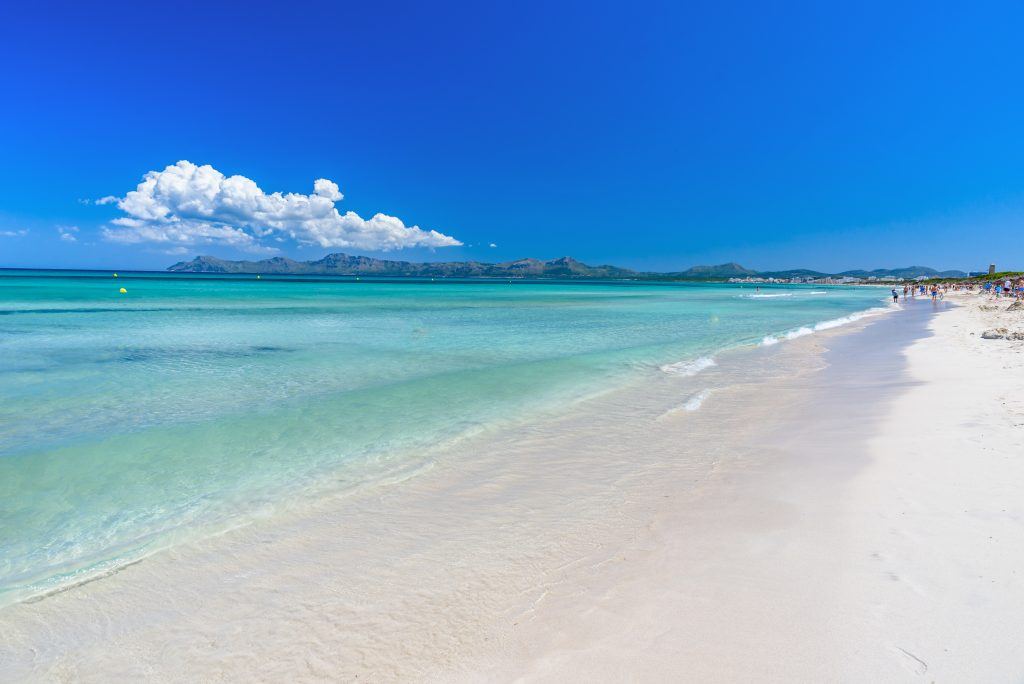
point(564, 267)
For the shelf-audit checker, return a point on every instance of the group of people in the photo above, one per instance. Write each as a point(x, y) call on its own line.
point(911, 290)
point(1005, 288)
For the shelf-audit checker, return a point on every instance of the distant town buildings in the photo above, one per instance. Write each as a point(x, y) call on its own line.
point(827, 280)
point(832, 280)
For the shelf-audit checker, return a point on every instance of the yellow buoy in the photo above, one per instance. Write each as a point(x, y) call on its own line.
point(115, 275)
point(124, 291)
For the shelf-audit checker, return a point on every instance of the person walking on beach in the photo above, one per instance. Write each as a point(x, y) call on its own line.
point(895, 296)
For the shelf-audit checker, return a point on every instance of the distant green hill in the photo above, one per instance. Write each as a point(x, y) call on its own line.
point(564, 267)
point(730, 270)
point(344, 264)
point(908, 272)
point(794, 273)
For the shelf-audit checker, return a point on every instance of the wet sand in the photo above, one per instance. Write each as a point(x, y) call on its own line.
point(878, 538)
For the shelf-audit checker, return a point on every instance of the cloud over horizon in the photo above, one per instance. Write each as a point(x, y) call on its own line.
point(186, 205)
point(67, 233)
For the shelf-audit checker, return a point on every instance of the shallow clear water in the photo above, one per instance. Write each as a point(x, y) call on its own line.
point(191, 403)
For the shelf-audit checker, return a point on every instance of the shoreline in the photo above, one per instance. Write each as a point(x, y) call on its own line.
point(837, 554)
point(397, 464)
point(528, 571)
point(730, 587)
point(351, 278)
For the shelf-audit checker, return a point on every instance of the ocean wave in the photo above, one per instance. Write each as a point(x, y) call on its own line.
point(790, 335)
point(688, 368)
point(694, 402)
point(770, 295)
point(823, 325)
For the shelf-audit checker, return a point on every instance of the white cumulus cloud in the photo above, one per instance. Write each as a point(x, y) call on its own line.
point(14, 233)
point(67, 233)
point(186, 204)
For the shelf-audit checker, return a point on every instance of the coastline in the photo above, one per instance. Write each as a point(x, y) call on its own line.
point(839, 553)
point(547, 559)
point(289, 416)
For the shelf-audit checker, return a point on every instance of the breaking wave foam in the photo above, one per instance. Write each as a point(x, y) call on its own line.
point(688, 368)
point(769, 295)
point(694, 402)
point(823, 325)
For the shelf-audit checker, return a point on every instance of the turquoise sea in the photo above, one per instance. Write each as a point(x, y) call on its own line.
point(190, 404)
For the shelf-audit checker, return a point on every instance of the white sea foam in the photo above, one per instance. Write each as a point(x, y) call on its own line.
point(688, 368)
point(823, 325)
point(836, 322)
point(694, 402)
point(769, 295)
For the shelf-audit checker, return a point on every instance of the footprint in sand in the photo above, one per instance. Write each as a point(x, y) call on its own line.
point(911, 661)
point(909, 584)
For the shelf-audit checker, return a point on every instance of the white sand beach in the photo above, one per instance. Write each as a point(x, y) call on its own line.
point(845, 506)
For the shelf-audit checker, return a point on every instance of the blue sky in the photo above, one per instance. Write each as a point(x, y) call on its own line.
point(650, 135)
